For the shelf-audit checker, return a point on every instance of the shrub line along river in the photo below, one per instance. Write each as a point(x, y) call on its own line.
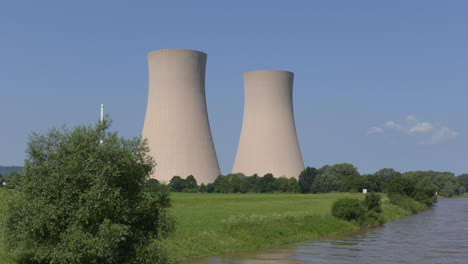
point(437, 235)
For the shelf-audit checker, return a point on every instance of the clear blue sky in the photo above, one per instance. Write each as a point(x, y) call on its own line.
point(377, 83)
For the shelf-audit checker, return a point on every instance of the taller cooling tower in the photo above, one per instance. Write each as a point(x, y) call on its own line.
point(268, 141)
point(176, 123)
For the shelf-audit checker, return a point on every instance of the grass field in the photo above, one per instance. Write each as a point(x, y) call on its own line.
point(211, 224)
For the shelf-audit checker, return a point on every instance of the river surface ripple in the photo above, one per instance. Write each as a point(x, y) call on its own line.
point(438, 235)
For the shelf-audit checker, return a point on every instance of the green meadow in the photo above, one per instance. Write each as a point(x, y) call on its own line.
point(212, 224)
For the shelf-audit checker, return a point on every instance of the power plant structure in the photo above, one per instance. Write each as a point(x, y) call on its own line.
point(176, 123)
point(268, 141)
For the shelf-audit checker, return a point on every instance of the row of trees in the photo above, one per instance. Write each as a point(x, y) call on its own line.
point(233, 183)
point(342, 177)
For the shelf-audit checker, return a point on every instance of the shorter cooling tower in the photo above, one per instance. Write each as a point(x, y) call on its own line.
point(176, 123)
point(268, 141)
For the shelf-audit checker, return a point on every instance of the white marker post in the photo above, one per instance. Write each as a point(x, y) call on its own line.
point(102, 120)
point(102, 112)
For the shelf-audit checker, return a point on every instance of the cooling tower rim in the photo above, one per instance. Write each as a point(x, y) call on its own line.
point(176, 51)
point(268, 71)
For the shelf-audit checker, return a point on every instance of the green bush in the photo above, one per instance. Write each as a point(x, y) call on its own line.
point(348, 209)
point(373, 202)
point(191, 190)
point(371, 219)
point(82, 200)
point(406, 203)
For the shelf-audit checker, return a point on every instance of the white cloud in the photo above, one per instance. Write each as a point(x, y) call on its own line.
point(430, 133)
point(375, 130)
point(423, 127)
point(393, 125)
point(410, 119)
point(443, 134)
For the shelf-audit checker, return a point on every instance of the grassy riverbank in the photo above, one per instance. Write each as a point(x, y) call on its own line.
point(210, 224)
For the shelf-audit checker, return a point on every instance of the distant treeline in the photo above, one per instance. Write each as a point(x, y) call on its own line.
point(342, 177)
point(5, 171)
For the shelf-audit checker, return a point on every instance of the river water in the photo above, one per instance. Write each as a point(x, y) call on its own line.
point(438, 235)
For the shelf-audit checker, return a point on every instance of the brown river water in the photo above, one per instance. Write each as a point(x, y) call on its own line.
point(438, 235)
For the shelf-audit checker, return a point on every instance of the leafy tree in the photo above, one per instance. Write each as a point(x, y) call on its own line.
point(152, 185)
point(461, 190)
point(387, 175)
point(221, 185)
point(14, 180)
point(227, 184)
point(190, 182)
point(449, 189)
point(323, 169)
point(416, 185)
point(210, 188)
point(267, 183)
point(307, 178)
point(177, 184)
point(424, 191)
point(249, 184)
point(354, 183)
point(463, 180)
point(283, 184)
point(440, 179)
point(373, 202)
point(401, 186)
point(234, 183)
point(83, 202)
point(375, 182)
point(293, 185)
point(202, 188)
point(333, 177)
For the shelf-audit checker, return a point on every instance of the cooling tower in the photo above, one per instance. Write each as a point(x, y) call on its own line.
point(268, 141)
point(176, 123)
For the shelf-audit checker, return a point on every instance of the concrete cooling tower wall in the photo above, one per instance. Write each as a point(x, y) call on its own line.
point(268, 141)
point(176, 123)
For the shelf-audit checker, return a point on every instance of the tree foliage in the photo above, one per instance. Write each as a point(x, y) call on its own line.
point(83, 202)
point(14, 180)
point(283, 184)
point(177, 184)
point(373, 202)
point(463, 180)
point(333, 176)
point(402, 186)
point(374, 182)
point(388, 174)
point(307, 178)
point(190, 182)
point(416, 185)
point(348, 209)
point(342, 177)
point(354, 183)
